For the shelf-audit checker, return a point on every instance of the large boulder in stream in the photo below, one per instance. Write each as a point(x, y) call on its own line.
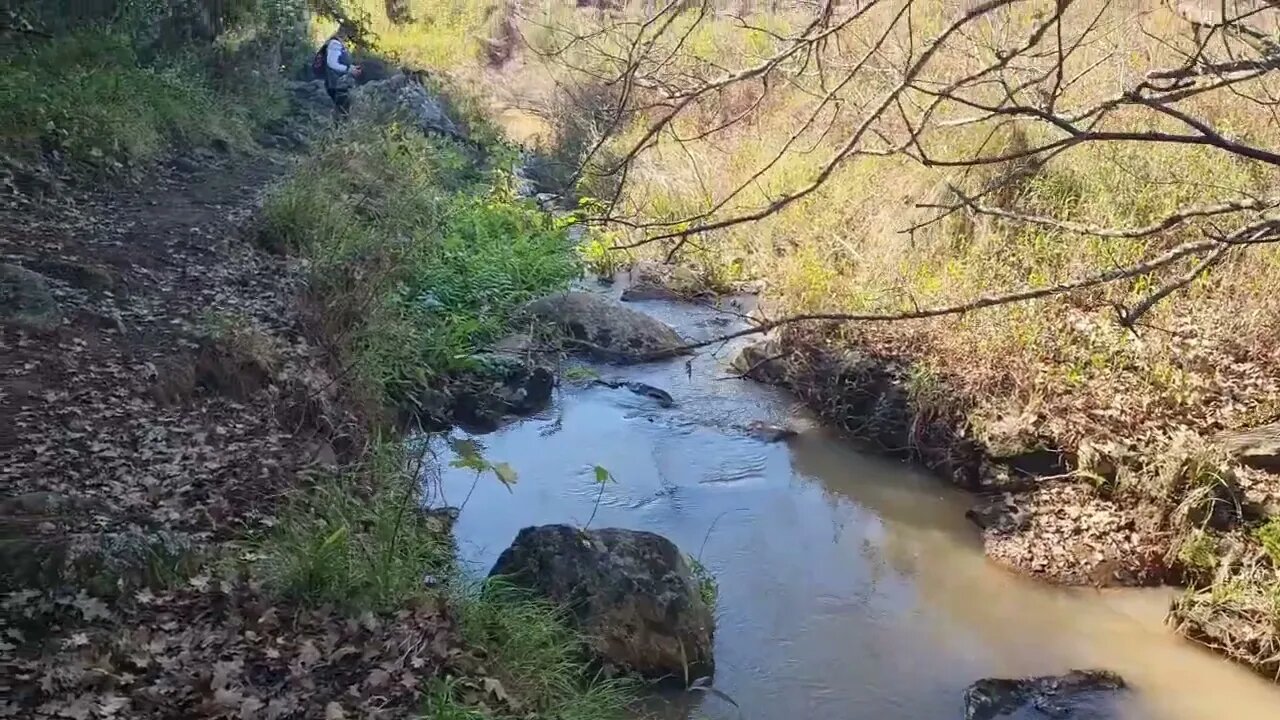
point(606, 328)
point(1078, 695)
point(631, 593)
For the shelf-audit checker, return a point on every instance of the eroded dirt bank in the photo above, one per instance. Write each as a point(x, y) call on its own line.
point(1187, 511)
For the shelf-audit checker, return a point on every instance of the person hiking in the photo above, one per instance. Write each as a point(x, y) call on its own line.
point(339, 72)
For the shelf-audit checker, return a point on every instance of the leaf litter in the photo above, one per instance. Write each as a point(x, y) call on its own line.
point(128, 468)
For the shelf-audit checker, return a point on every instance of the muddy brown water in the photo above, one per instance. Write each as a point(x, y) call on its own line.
point(850, 586)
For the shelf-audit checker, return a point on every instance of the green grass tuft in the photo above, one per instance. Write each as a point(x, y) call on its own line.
point(357, 542)
point(708, 586)
point(536, 657)
point(1269, 536)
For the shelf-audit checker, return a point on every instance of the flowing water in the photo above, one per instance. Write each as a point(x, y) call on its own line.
point(850, 586)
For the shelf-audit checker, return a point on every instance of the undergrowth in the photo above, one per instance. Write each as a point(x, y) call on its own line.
point(419, 251)
point(537, 659)
point(439, 34)
point(360, 542)
point(105, 94)
point(357, 541)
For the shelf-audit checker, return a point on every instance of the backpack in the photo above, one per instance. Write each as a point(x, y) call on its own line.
point(320, 61)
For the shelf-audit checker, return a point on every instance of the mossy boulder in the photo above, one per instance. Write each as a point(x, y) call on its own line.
point(1078, 694)
point(631, 593)
point(606, 328)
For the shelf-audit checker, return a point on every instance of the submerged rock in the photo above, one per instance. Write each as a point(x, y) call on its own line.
point(26, 300)
point(1078, 695)
point(607, 329)
point(631, 593)
point(662, 396)
point(768, 432)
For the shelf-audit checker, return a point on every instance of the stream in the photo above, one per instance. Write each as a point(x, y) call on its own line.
point(850, 586)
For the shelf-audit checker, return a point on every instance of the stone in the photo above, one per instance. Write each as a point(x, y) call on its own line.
point(999, 514)
point(1257, 447)
point(405, 93)
point(441, 520)
point(762, 361)
point(499, 387)
point(26, 300)
point(1080, 694)
point(768, 432)
point(642, 389)
point(310, 92)
point(631, 593)
point(605, 328)
point(86, 276)
point(655, 281)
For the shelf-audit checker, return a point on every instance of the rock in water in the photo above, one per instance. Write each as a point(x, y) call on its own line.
point(500, 386)
point(610, 330)
point(25, 299)
point(642, 389)
point(768, 432)
point(763, 361)
point(654, 281)
point(1078, 695)
point(631, 593)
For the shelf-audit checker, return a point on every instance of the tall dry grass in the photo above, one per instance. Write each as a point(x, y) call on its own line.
point(1202, 358)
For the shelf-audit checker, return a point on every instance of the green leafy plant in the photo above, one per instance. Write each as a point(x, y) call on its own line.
point(1269, 536)
point(420, 256)
point(708, 586)
point(602, 477)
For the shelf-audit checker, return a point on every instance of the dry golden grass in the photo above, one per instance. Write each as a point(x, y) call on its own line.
point(1203, 363)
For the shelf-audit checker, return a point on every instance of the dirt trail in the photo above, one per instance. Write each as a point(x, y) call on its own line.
point(167, 410)
point(105, 413)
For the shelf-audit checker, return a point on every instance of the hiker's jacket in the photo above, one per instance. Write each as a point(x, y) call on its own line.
point(337, 63)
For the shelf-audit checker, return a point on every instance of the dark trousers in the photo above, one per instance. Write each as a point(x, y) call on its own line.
point(341, 98)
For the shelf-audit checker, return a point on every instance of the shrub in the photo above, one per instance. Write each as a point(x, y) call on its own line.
point(420, 255)
point(108, 92)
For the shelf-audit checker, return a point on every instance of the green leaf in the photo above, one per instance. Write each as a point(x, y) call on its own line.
point(506, 474)
point(469, 455)
point(603, 475)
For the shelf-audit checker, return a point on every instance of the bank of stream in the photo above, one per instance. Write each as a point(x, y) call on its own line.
point(850, 586)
